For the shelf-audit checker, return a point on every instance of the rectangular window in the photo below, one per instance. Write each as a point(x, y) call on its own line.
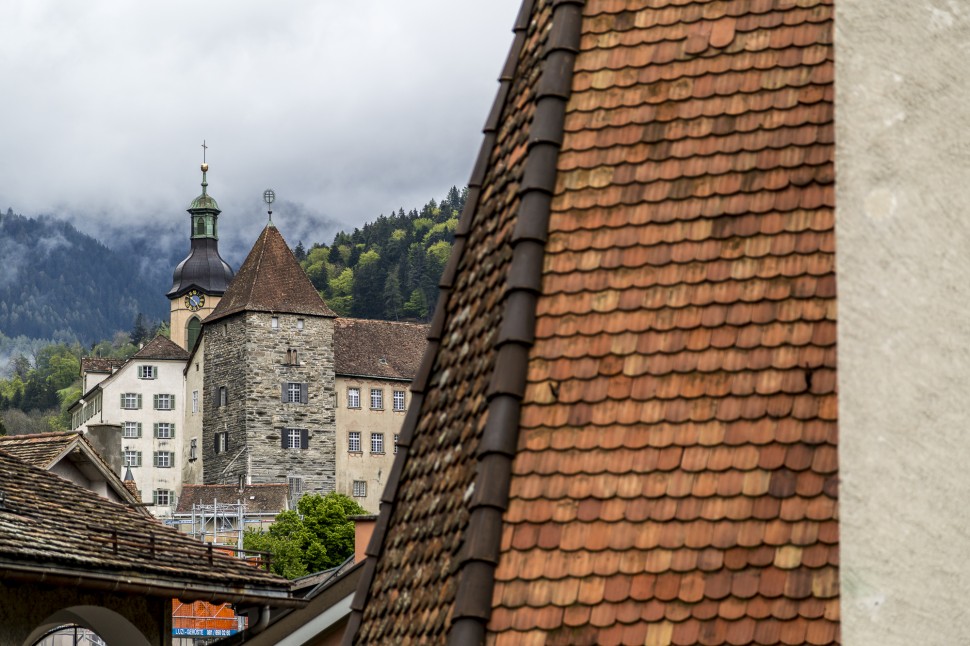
point(296, 486)
point(164, 402)
point(395, 444)
point(130, 401)
point(353, 442)
point(147, 372)
point(353, 398)
point(221, 442)
point(131, 429)
point(195, 402)
point(223, 396)
point(164, 430)
point(163, 497)
point(163, 459)
point(194, 450)
point(275, 323)
point(295, 392)
point(299, 324)
point(376, 442)
point(360, 489)
point(295, 438)
point(399, 400)
point(376, 398)
point(132, 458)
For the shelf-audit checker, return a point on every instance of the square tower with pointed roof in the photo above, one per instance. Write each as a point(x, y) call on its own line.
point(268, 400)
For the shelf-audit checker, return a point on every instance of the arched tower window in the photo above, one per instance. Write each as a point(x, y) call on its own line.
point(200, 226)
point(192, 330)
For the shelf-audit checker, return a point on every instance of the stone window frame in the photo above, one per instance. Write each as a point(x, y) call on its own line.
point(195, 402)
point(223, 397)
point(353, 397)
point(298, 389)
point(168, 428)
point(274, 323)
point(395, 443)
point(164, 401)
point(295, 438)
point(163, 497)
point(353, 439)
point(221, 441)
point(299, 325)
point(147, 372)
point(130, 401)
point(292, 357)
point(377, 443)
point(360, 488)
point(131, 430)
point(131, 458)
point(193, 450)
point(399, 402)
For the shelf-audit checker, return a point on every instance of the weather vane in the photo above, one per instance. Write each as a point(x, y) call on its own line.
point(269, 196)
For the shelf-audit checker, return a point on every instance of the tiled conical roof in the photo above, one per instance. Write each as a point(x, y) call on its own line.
point(270, 280)
point(624, 430)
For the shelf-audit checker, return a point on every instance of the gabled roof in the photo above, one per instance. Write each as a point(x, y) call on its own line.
point(259, 498)
point(45, 450)
point(161, 348)
point(383, 349)
point(270, 280)
point(54, 531)
point(624, 429)
point(97, 364)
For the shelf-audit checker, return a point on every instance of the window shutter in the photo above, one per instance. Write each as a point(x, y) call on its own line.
point(304, 392)
point(284, 436)
point(304, 439)
point(155, 430)
point(155, 459)
point(122, 404)
point(171, 430)
point(155, 401)
point(138, 431)
point(171, 401)
point(215, 442)
point(283, 392)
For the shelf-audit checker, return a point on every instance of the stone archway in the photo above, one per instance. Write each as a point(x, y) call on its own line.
point(108, 624)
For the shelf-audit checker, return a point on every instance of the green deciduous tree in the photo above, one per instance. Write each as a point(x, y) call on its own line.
point(317, 536)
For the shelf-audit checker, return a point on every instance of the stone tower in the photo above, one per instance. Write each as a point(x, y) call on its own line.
point(201, 279)
point(268, 405)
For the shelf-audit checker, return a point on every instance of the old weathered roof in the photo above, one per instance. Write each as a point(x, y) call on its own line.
point(44, 450)
point(270, 280)
point(259, 498)
point(161, 348)
point(378, 348)
point(624, 430)
point(97, 364)
point(51, 528)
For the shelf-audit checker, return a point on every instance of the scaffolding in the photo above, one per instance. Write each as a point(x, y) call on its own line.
point(228, 522)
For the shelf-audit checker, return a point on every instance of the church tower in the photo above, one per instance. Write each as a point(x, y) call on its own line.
point(202, 278)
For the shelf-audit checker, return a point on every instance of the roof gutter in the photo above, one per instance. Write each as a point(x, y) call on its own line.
point(55, 576)
point(349, 374)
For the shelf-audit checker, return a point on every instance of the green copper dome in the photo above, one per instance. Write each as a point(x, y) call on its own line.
point(204, 201)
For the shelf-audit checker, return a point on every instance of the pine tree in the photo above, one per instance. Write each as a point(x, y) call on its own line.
point(393, 303)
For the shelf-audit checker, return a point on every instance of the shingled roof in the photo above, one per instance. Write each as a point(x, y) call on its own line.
point(54, 531)
point(161, 348)
point(624, 429)
point(270, 280)
point(384, 349)
point(258, 498)
point(99, 364)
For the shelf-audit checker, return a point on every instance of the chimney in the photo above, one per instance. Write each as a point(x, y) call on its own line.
point(363, 528)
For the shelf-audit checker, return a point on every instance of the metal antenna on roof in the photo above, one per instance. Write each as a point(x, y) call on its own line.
point(269, 196)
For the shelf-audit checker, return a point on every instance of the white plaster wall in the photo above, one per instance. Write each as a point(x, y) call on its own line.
point(169, 381)
point(369, 467)
point(191, 418)
point(903, 235)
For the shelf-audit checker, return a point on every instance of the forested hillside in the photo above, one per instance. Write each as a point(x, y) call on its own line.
point(58, 283)
point(389, 268)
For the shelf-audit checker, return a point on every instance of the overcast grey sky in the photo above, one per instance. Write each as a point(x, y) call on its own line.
point(346, 109)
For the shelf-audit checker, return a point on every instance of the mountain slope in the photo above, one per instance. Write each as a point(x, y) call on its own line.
point(58, 283)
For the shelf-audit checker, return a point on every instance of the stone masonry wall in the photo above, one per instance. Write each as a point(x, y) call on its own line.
point(250, 357)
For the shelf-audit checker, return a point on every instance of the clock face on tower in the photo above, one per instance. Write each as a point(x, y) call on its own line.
point(194, 300)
